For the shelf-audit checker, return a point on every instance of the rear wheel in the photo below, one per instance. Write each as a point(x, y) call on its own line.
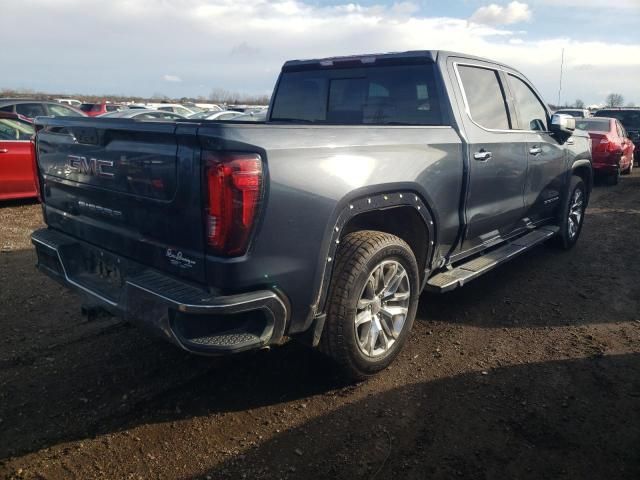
point(614, 178)
point(372, 302)
point(629, 169)
point(571, 215)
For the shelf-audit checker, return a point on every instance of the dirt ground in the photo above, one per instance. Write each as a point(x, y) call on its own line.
point(531, 372)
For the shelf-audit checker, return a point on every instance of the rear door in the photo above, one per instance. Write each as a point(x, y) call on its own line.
point(546, 156)
point(16, 164)
point(497, 157)
point(129, 187)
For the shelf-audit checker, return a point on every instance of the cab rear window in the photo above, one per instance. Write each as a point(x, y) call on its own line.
point(389, 95)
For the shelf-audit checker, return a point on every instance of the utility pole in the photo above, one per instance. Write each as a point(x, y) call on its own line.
point(561, 66)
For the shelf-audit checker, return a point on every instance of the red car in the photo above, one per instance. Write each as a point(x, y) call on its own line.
point(95, 109)
point(611, 147)
point(17, 178)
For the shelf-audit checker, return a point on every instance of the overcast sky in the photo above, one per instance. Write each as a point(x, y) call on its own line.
point(189, 47)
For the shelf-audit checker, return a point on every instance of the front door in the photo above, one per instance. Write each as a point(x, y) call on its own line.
point(16, 165)
point(546, 156)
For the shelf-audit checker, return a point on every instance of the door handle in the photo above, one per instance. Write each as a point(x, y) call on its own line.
point(535, 150)
point(4, 150)
point(482, 156)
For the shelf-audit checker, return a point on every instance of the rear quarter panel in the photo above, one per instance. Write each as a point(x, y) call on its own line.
point(313, 173)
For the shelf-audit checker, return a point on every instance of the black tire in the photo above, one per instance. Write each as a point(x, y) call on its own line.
point(614, 178)
point(629, 169)
point(359, 254)
point(565, 239)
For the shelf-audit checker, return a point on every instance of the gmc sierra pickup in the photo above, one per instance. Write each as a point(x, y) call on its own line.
point(374, 177)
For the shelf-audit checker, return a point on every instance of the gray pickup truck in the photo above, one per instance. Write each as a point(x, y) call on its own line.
point(374, 178)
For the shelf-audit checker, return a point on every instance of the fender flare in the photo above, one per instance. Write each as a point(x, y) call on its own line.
point(356, 206)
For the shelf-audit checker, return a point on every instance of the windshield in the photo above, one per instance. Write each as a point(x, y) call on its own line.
point(593, 125)
point(401, 94)
point(630, 119)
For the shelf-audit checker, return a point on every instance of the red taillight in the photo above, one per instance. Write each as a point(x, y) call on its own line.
point(606, 145)
point(234, 187)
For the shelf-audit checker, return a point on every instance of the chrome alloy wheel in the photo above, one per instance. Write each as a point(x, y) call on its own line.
point(576, 211)
point(382, 309)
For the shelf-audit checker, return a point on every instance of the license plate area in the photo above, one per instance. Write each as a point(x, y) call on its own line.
point(95, 269)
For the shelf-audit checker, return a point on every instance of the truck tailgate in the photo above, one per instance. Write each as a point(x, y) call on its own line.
point(126, 186)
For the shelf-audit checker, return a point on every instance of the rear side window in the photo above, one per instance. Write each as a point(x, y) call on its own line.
point(485, 97)
point(87, 107)
point(113, 108)
point(389, 95)
point(531, 112)
point(30, 110)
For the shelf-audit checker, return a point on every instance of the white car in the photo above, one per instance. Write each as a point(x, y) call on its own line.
point(175, 108)
point(69, 101)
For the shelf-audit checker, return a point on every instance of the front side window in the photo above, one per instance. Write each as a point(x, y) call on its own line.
point(371, 95)
point(62, 111)
point(485, 97)
point(30, 110)
point(532, 114)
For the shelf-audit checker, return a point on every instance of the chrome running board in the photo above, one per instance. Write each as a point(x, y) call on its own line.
point(465, 272)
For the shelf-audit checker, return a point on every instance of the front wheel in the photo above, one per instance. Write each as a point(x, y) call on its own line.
point(372, 302)
point(571, 215)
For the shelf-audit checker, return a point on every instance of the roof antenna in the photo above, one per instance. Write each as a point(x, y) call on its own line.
point(561, 65)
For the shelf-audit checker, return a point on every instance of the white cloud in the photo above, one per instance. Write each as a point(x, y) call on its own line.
point(494, 14)
point(240, 45)
point(171, 78)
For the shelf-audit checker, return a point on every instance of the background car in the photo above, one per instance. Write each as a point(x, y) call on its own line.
point(17, 178)
point(575, 112)
point(144, 115)
point(179, 109)
point(630, 119)
point(260, 116)
point(32, 108)
point(95, 109)
point(223, 115)
point(69, 101)
point(611, 149)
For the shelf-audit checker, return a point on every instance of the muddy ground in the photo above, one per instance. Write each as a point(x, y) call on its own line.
point(532, 372)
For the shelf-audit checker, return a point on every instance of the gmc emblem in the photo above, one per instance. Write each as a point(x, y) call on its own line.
point(89, 166)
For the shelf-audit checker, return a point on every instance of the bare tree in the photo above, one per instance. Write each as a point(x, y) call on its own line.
point(578, 103)
point(614, 100)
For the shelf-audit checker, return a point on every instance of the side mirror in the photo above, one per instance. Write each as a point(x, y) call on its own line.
point(562, 124)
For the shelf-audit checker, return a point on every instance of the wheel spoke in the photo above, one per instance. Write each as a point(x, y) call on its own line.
point(394, 282)
point(364, 303)
point(394, 317)
point(391, 273)
point(372, 339)
point(363, 317)
point(399, 296)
